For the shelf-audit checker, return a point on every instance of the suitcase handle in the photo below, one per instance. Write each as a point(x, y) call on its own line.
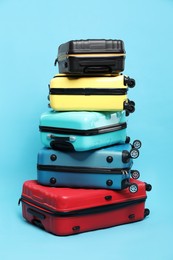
point(37, 223)
point(98, 69)
point(36, 213)
point(61, 145)
point(61, 139)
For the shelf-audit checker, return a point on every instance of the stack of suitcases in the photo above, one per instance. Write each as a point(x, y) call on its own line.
point(85, 176)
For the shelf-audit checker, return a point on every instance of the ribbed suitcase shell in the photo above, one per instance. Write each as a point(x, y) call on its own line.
point(67, 211)
point(104, 93)
point(82, 130)
point(103, 168)
point(91, 56)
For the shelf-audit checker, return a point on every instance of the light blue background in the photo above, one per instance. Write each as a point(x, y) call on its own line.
point(30, 32)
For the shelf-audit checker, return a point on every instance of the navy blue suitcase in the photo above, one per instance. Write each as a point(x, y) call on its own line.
point(108, 168)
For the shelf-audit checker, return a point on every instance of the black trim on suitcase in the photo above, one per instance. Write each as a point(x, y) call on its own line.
point(88, 91)
point(94, 210)
point(58, 168)
point(130, 82)
point(76, 76)
point(94, 131)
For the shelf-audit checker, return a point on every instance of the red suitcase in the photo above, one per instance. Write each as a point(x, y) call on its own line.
point(66, 211)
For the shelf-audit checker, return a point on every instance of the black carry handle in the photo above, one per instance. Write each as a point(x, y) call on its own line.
point(63, 146)
point(60, 139)
point(97, 69)
point(37, 223)
point(61, 143)
point(36, 213)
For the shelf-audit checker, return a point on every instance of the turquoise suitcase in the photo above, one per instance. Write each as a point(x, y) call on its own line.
point(82, 130)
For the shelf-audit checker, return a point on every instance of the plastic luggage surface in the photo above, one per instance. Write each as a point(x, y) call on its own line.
point(82, 130)
point(104, 93)
point(108, 168)
point(91, 56)
point(66, 211)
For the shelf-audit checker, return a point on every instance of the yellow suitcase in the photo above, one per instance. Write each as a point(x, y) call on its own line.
point(91, 93)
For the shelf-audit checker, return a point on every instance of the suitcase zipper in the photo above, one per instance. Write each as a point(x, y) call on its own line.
point(90, 55)
point(98, 209)
point(88, 91)
point(59, 168)
point(95, 131)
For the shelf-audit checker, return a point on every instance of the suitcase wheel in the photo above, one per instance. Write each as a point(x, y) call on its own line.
point(131, 102)
point(52, 180)
point(135, 174)
point(129, 107)
point(146, 212)
point(129, 81)
point(134, 153)
point(137, 144)
point(148, 187)
point(133, 188)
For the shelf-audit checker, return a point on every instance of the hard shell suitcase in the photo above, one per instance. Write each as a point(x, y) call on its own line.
point(67, 211)
point(108, 168)
point(82, 130)
point(104, 93)
point(91, 56)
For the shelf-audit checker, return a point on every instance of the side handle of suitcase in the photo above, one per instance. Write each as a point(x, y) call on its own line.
point(62, 143)
point(37, 217)
point(97, 69)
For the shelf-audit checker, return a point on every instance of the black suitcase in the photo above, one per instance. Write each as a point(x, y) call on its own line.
point(91, 57)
